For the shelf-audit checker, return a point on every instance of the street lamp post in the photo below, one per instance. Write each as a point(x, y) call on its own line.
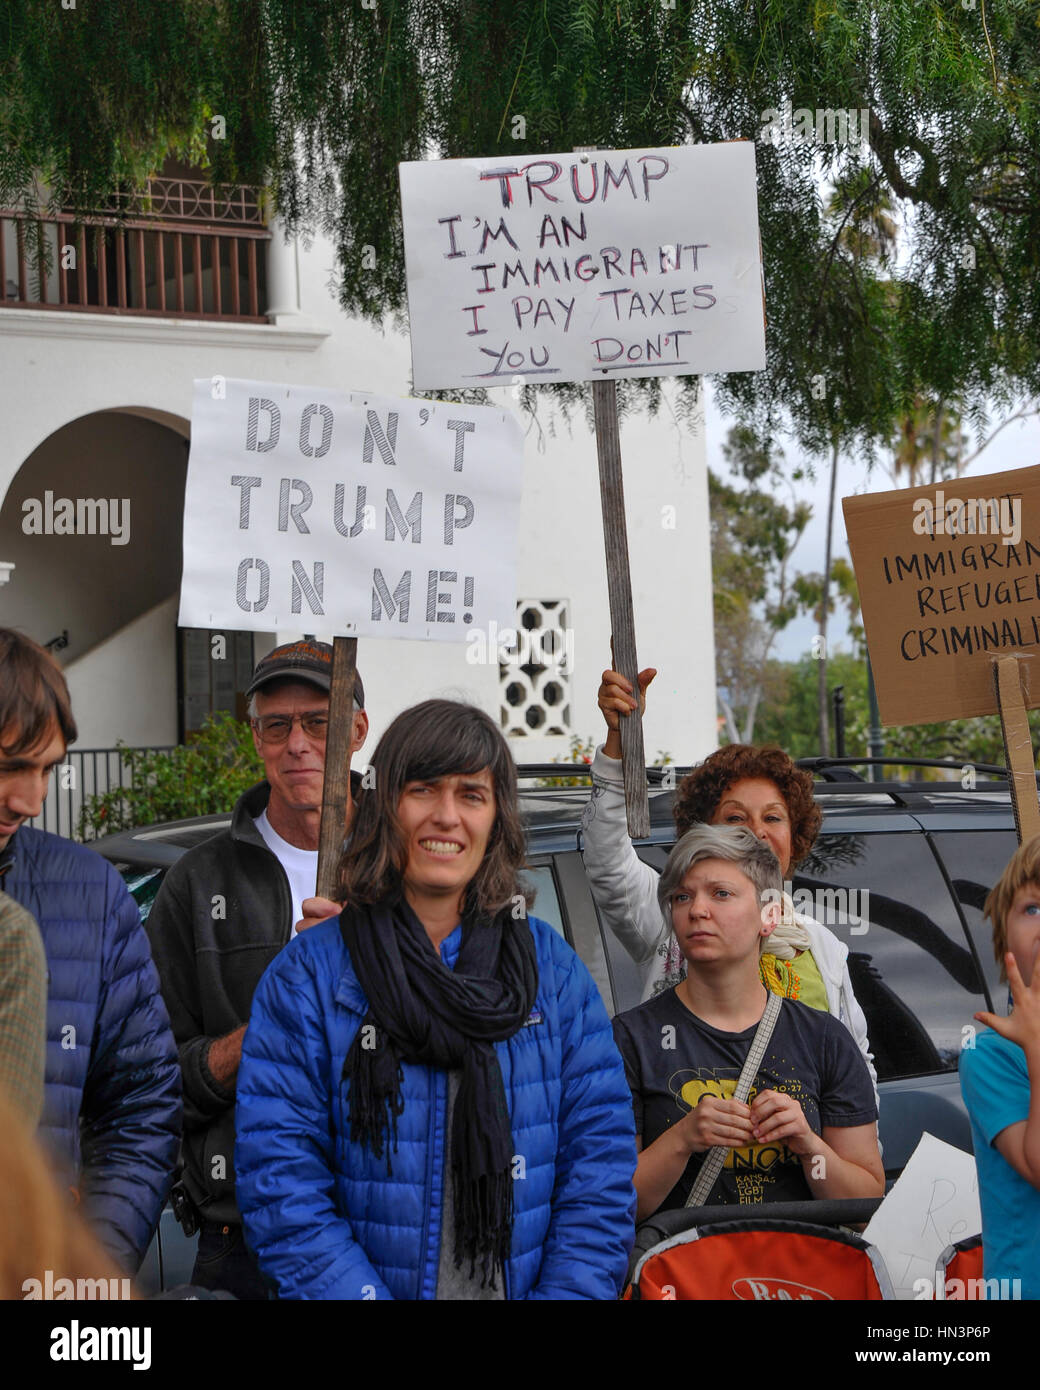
point(875, 746)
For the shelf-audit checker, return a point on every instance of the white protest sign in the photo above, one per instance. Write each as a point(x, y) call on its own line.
point(350, 513)
point(570, 267)
point(933, 1203)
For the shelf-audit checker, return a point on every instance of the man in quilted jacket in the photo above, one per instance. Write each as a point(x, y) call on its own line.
point(112, 1106)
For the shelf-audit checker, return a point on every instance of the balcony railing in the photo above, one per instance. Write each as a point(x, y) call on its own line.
point(192, 200)
point(184, 250)
point(85, 772)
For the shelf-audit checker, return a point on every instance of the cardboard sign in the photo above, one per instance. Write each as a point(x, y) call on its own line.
point(569, 267)
point(933, 1204)
point(351, 513)
point(949, 578)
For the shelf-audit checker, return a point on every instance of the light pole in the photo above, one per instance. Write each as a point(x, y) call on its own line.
point(875, 743)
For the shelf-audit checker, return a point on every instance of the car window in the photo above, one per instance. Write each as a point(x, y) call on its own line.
point(912, 969)
point(547, 899)
point(143, 885)
point(974, 860)
point(626, 976)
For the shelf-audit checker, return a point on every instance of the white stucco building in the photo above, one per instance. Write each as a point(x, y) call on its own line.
point(97, 385)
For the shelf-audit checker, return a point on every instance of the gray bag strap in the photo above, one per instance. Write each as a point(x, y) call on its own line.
point(711, 1166)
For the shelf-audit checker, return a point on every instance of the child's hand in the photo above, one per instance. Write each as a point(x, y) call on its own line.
point(1023, 1025)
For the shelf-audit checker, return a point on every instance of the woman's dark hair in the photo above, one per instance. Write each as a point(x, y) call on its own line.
point(439, 738)
point(698, 795)
point(33, 695)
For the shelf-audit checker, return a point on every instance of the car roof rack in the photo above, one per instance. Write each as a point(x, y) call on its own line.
point(840, 769)
point(829, 770)
point(837, 779)
point(538, 771)
point(578, 776)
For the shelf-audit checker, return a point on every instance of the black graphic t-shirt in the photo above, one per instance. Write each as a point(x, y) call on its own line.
point(673, 1059)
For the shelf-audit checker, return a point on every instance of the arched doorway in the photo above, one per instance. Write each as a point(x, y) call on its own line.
point(92, 523)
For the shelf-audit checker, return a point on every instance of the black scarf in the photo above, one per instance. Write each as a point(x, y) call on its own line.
point(420, 1011)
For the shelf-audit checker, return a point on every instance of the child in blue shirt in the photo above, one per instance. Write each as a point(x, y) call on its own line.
point(1000, 1082)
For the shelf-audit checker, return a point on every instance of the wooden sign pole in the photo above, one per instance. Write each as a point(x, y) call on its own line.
point(336, 787)
point(1018, 746)
point(619, 591)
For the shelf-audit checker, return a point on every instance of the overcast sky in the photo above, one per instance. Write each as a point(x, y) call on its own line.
point(1014, 447)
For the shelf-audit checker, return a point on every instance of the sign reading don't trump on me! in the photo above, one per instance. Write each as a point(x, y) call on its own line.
point(949, 579)
point(350, 513)
point(575, 267)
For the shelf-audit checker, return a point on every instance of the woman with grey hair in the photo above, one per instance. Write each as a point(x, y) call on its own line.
point(808, 1125)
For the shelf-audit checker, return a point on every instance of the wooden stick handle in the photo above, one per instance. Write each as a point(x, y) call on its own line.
point(336, 788)
point(619, 591)
point(1018, 746)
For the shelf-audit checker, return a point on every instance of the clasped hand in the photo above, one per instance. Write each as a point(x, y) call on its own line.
point(771, 1117)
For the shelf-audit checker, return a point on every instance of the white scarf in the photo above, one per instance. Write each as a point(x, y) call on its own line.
point(789, 938)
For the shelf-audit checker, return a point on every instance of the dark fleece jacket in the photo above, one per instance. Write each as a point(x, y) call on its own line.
point(221, 916)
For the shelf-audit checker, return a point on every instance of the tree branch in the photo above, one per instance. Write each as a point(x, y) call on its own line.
point(883, 145)
point(1023, 414)
point(833, 248)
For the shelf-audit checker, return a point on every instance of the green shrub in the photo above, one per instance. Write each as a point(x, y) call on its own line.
point(202, 777)
point(584, 752)
point(579, 752)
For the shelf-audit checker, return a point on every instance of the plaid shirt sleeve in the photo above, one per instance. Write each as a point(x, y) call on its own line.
point(23, 1009)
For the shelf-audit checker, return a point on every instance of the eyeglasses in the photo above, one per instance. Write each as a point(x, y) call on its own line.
point(276, 728)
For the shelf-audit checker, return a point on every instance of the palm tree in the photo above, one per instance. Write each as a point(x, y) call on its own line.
point(928, 439)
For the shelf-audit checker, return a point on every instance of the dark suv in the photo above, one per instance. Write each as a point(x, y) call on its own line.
point(899, 871)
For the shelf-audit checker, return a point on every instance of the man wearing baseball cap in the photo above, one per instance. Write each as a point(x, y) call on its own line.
point(224, 911)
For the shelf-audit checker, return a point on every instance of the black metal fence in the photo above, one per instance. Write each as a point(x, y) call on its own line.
point(85, 772)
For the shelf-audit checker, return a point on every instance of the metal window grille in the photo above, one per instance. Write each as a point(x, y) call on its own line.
point(535, 679)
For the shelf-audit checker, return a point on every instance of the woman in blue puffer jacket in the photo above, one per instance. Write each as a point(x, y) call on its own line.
point(430, 1102)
